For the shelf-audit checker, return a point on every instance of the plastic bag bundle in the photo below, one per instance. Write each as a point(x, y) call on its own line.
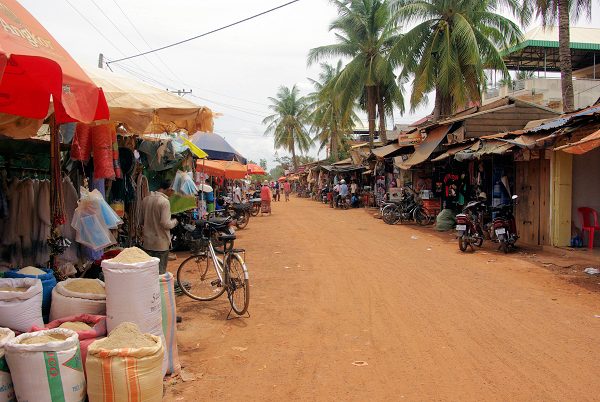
point(20, 303)
point(47, 369)
point(110, 218)
point(92, 220)
point(184, 183)
point(102, 143)
point(81, 148)
point(7, 392)
point(86, 337)
point(48, 283)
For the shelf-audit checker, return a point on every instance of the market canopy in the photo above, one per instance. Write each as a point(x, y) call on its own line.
point(34, 70)
point(144, 109)
point(253, 168)
point(582, 146)
point(216, 147)
point(424, 149)
point(538, 51)
point(226, 169)
point(383, 152)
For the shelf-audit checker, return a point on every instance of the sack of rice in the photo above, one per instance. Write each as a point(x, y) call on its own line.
point(20, 303)
point(48, 283)
point(78, 296)
point(132, 291)
point(7, 393)
point(89, 328)
point(46, 366)
point(169, 320)
point(125, 366)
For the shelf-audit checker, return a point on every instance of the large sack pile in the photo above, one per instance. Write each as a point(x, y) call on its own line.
point(20, 303)
point(89, 328)
point(48, 283)
point(7, 393)
point(78, 296)
point(125, 366)
point(46, 366)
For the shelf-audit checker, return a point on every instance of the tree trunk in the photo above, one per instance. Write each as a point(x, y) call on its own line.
point(443, 106)
point(333, 151)
point(371, 104)
point(564, 52)
point(293, 151)
point(381, 111)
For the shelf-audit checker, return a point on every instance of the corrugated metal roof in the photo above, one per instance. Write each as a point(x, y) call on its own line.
point(563, 120)
point(581, 38)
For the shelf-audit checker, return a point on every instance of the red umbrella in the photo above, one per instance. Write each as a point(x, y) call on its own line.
point(33, 67)
point(253, 168)
point(282, 178)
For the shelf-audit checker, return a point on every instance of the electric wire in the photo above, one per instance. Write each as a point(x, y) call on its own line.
point(206, 33)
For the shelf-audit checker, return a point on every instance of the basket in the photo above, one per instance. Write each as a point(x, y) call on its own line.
point(197, 246)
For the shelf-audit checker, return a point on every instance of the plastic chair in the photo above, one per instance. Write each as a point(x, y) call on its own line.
point(589, 225)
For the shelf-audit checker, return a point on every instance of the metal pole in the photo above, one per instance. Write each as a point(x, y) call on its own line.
point(100, 60)
point(594, 65)
point(544, 63)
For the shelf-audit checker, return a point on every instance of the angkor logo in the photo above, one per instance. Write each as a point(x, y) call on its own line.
point(9, 13)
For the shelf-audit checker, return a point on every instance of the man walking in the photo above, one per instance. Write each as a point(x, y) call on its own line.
point(157, 223)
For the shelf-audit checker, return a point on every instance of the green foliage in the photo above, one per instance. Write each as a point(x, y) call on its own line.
point(448, 49)
point(289, 120)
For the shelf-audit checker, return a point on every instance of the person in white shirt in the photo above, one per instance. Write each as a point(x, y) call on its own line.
point(237, 194)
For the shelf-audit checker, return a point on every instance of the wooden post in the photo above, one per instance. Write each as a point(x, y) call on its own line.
point(562, 192)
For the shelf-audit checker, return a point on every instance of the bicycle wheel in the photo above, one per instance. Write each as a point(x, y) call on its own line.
point(238, 290)
point(197, 277)
point(421, 217)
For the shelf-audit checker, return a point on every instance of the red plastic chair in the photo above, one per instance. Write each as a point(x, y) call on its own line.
point(589, 225)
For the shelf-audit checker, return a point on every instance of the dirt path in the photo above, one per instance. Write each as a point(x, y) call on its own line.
point(331, 288)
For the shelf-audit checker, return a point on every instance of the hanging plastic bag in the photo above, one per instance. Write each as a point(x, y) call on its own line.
point(184, 183)
point(108, 215)
point(89, 224)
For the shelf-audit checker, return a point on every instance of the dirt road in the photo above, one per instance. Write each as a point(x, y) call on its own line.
point(331, 289)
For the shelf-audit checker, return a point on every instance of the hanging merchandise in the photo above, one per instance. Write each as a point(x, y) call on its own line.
point(115, 154)
point(46, 366)
point(81, 148)
point(91, 220)
point(109, 216)
point(184, 183)
point(102, 145)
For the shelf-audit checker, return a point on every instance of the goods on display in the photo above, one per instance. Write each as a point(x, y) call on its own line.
point(92, 220)
point(132, 255)
point(20, 310)
point(89, 328)
point(48, 371)
point(48, 283)
point(125, 366)
point(169, 320)
point(78, 296)
point(7, 393)
point(132, 291)
point(75, 326)
point(31, 271)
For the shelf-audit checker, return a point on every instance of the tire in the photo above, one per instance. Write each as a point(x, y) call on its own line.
point(390, 214)
point(421, 217)
point(504, 246)
point(255, 209)
point(242, 220)
point(462, 244)
point(479, 242)
point(238, 290)
point(194, 277)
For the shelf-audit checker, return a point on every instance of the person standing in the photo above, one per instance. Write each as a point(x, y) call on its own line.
point(237, 194)
point(157, 224)
point(287, 189)
point(265, 198)
point(277, 194)
point(343, 191)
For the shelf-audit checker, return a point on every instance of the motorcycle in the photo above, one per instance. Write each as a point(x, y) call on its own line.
point(504, 226)
point(240, 213)
point(469, 225)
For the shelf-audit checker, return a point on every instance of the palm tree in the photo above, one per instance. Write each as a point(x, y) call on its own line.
point(448, 50)
point(551, 11)
point(288, 123)
point(330, 122)
point(364, 31)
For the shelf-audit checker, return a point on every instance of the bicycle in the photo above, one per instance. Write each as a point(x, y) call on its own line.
point(204, 276)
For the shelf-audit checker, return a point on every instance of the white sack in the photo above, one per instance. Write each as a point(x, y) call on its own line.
point(66, 303)
point(20, 311)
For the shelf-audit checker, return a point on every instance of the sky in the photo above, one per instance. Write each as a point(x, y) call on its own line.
point(233, 71)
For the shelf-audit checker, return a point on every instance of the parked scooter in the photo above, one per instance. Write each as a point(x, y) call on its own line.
point(255, 203)
point(469, 225)
point(239, 212)
point(504, 228)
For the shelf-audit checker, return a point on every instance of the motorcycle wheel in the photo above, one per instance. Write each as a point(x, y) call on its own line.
point(390, 215)
point(242, 220)
point(479, 242)
point(462, 243)
point(255, 210)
